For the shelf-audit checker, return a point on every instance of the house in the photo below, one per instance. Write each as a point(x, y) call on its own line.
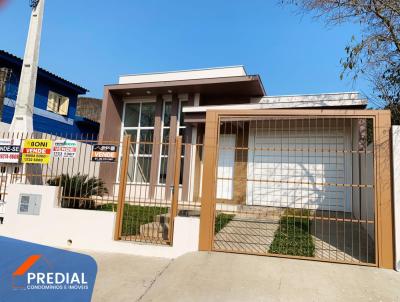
point(155, 108)
point(251, 156)
point(55, 101)
point(89, 108)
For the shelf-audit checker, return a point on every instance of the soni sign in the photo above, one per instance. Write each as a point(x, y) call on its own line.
point(36, 151)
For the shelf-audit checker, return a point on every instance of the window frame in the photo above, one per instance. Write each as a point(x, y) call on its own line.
point(61, 100)
point(178, 128)
point(136, 155)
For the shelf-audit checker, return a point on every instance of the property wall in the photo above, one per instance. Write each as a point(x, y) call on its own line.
point(87, 230)
point(396, 189)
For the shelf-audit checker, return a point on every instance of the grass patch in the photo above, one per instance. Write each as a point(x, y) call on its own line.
point(293, 236)
point(221, 221)
point(135, 216)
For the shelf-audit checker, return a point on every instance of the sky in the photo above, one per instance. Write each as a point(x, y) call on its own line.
point(92, 42)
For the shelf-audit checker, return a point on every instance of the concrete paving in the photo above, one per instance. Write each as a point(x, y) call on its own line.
point(232, 277)
point(123, 278)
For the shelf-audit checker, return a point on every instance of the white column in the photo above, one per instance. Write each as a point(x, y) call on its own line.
point(23, 116)
point(396, 189)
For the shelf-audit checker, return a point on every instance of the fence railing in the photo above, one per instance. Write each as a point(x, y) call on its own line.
point(147, 183)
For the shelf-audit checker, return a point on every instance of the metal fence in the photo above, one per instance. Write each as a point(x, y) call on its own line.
point(296, 186)
point(76, 174)
point(158, 182)
point(146, 183)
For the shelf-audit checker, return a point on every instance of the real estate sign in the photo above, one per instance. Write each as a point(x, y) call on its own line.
point(104, 153)
point(65, 149)
point(36, 151)
point(9, 150)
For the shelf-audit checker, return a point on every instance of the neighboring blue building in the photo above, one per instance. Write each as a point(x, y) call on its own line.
point(55, 101)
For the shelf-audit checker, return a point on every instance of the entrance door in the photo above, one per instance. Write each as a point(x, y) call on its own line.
point(226, 161)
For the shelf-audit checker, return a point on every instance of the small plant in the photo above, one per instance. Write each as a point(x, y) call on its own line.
point(77, 190)
point(293, 236)
point(134, 216)
point(221, 221)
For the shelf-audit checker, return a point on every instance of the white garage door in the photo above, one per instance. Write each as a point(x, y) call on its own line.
point(279, 177)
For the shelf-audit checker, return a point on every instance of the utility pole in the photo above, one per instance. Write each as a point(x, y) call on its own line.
point(23, 117)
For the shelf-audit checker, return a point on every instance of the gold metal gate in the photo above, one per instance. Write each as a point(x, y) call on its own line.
point(143, 215)
point(301, 184)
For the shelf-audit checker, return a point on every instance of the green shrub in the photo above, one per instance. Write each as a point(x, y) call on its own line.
point(77, 190)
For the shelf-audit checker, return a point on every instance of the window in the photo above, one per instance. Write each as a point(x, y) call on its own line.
point(166, 124)
point(58, 103)
point(165, 139)
point(139, 123)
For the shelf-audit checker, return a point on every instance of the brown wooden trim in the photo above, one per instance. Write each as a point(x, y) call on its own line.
point(155, 162)
point(346, 113)
point(385, 216)
point(188, 157)
point(122, 187)
point(112, 109)
point(175, 194)
point(173, 130)
point(207, 214)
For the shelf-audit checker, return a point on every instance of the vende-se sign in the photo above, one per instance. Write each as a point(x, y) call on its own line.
point(36, 151)
point(65, 149)
point(9, 150)
point(104, 153)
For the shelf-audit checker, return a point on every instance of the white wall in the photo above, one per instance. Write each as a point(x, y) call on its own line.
point(222, 72)
point(88, 230)
point(396, 189)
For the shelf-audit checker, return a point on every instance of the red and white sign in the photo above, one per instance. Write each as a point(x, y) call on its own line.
point(65, 149)
point(10, 150)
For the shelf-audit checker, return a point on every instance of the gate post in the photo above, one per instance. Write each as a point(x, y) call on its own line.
point(122, 186)
point(383, 182)
point(175, 192)
point(207, 214)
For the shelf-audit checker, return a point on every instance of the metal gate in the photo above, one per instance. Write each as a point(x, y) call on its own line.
point(312, 185)
point(146, 213)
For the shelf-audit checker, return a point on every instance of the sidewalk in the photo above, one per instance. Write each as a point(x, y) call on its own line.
point(232, 277)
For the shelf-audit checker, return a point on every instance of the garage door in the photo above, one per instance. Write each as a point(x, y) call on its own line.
point(299, 168)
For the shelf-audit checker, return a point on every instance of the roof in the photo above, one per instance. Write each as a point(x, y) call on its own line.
point(249, 86)
point(325, 100)
point(181, 75)
point(45, 72)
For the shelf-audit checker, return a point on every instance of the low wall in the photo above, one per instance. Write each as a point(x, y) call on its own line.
point(396, 190)
point(87, 230)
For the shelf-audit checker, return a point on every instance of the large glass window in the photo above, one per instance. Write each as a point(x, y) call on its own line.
point(165, 138)
point(139, 123)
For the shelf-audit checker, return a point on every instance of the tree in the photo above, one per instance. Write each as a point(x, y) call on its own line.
point(376, 54)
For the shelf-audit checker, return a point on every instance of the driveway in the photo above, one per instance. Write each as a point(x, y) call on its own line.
point(231, 277)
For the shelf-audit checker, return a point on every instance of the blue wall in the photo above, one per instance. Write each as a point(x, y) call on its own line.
point(45, 83)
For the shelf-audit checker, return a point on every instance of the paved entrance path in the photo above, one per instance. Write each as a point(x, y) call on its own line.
point(231, 277)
